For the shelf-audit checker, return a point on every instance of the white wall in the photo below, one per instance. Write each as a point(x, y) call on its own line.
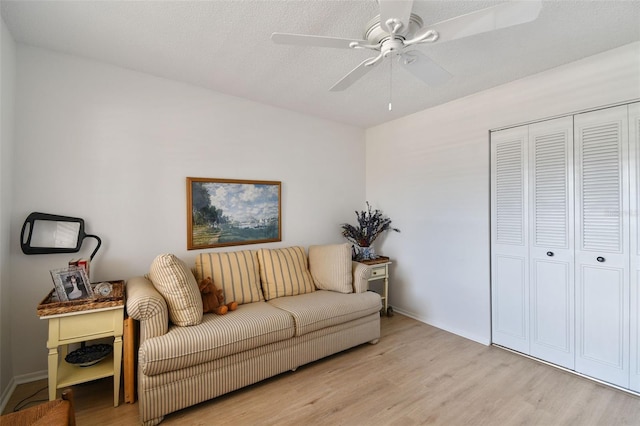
point(7, 84)
point(115, 146)
point(430, 173)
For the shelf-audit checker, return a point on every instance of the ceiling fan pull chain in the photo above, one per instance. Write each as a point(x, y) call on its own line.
point(390, 81)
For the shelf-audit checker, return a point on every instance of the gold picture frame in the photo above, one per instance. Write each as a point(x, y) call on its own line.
point(230, 212)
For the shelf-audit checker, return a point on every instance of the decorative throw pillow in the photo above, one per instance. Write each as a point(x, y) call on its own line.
point(176, 283)
point(236, 273)
point(330, 267)
point(284, 272)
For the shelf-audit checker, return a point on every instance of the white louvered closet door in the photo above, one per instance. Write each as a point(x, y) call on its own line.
point(509, 239)
point(602, 245)
point(551, 242)
point(634, 201)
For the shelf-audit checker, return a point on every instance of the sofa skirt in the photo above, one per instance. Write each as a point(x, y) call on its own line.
point(165, 393)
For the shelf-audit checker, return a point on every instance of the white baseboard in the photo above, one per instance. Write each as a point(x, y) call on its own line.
point(31, 377)
point(18, 380)
point(6, 394)
point(481, 340)
point(593, 379)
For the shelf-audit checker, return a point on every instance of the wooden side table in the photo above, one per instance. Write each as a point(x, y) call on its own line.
point(380, 271)
point(82, 321)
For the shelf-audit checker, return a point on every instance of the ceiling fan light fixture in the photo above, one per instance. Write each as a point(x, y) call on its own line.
point(395, 30)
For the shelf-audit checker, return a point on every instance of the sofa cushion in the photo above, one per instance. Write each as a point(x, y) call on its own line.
point(320, 309)
point(176, 283)
point(252, 325)
point(330, 267)
point(284, 272)
point(236, 273)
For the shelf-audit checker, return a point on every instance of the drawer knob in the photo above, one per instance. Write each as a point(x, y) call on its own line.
point(600, 259)
point(550, 253)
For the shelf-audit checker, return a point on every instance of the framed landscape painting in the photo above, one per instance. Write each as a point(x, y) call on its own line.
point(227, 212)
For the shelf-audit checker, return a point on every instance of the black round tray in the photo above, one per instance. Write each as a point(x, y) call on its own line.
point(89, 355)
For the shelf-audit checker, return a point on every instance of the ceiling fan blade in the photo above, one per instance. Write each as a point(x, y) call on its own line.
point(312, 40)
point(354, 75)
point(425, 69)
point(395, 9)
point(485, 20)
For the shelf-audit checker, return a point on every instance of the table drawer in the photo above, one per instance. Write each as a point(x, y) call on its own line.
point(93, 324)
point(379, 272)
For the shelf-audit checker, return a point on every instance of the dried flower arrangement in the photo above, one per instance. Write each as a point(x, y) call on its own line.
point(371, 223)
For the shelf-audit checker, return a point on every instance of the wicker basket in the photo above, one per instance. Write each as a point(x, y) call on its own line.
point(48, 307)
point(380, 259)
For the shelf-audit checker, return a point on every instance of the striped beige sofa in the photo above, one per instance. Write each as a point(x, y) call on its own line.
point(293, 309)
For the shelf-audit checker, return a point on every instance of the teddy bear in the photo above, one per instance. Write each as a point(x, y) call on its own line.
point(213, 298)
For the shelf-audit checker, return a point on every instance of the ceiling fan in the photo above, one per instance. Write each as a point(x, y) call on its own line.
point(396, 31)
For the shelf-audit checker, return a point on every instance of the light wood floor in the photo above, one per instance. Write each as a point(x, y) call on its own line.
point(416, 374)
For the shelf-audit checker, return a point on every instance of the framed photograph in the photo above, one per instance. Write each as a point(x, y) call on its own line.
point(71, 283)
point(226, 212)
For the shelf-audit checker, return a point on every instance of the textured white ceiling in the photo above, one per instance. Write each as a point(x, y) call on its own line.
point(225, 45)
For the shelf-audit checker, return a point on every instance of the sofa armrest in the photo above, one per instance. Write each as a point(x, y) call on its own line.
point(146, 305)
point(361, 275)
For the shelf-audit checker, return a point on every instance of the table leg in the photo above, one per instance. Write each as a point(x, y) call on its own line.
point(117, 369)
point(386, 293)
point(53, 372)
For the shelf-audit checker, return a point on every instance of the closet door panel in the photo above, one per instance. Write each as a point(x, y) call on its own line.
point(552, 312)
point(509, 239)
point(510, 296)
point(551, 241)
point(634, 174)
point(602, 245)
point(602, 321)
